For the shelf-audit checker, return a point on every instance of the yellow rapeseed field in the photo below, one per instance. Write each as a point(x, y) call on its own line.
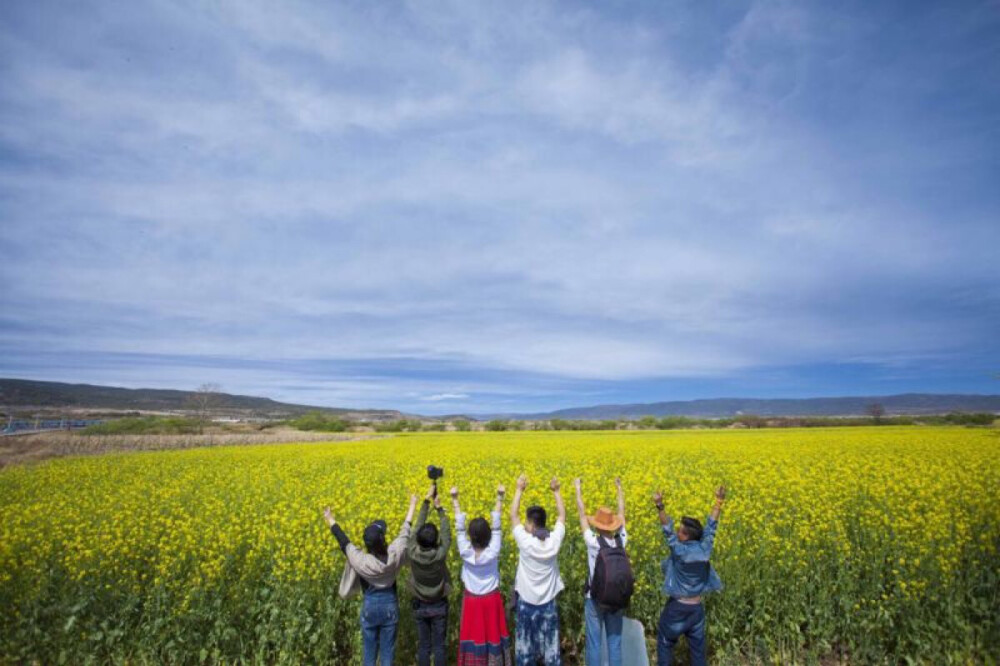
point(875, 545)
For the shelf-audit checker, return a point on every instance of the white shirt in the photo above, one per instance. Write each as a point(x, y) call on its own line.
point(594, 547)
point(537, 580)
point(480, 572)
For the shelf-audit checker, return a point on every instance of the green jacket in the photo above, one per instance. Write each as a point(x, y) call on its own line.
point(429, 577)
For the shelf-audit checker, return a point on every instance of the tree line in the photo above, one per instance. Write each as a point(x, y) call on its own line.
point(318, 421)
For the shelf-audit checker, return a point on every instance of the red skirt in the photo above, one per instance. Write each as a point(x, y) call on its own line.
point(482, 636)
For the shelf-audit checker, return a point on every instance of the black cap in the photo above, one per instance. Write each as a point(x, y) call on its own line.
point(374, 533)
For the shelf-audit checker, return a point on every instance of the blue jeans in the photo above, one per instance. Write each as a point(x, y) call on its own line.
point(678, 620)
point(596, 620)
point(379, 620)
point(537, 635)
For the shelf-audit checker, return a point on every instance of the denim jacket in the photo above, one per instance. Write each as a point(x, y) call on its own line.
point(687, 571)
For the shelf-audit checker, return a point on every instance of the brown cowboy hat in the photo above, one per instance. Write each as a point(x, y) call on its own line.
point(605, 519)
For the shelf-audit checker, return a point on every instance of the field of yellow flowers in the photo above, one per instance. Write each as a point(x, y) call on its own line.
point(874, 545)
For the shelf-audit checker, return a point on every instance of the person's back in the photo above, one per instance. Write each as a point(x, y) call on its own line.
point(427, 551)
point(483, 637)
point(430, 581)
point(687, 576)
point(480, 551)
point(610, 581)
point(373, 572)
point(687, 570)
point(537, 581)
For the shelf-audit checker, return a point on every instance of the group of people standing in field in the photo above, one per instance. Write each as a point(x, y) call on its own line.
point(484, 639)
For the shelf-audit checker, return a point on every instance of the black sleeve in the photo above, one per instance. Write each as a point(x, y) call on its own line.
point(340, 536)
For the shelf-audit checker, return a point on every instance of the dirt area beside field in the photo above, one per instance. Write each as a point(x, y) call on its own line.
point(27, 448)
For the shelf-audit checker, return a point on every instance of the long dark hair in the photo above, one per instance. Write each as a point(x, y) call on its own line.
point(479, 533)
point(375, 539)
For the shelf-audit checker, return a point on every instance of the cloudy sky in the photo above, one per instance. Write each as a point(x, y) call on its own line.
point(465, 207)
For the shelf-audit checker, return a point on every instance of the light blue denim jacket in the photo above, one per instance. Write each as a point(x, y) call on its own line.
point(687, 571)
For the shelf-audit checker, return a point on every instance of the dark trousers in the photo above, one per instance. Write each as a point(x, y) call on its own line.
point(678, 620)
point(432, 631)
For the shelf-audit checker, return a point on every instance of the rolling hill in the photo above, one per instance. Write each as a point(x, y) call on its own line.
point(908, 403)
point(23, 395)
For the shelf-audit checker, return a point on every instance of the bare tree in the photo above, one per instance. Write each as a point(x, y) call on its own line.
point(205, 398)
point(876, 411)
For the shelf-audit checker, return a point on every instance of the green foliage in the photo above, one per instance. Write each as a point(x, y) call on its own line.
point(674, 422)
point(145, 425)
point(400, 425)
point(462, 426)
point(647, 422)
point(564, 424)
point(320, 422)
point(957, 418)
point(496, 425)
point(755, 421)
point(434, 427)
point(751, 421)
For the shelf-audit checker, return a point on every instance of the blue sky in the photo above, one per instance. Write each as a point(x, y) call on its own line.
point(471, 207)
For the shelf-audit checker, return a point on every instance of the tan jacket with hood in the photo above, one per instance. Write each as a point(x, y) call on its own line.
point(379, 574)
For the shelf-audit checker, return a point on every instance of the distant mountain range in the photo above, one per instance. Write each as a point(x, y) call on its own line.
point(907, 403)
point(23, 395)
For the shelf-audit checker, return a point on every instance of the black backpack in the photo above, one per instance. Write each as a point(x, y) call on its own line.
point(613, 583)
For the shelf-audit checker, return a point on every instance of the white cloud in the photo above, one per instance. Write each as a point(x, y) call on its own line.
point(438, 397)
point(523, 187)
point(635, 101)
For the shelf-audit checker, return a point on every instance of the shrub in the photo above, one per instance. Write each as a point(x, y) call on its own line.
point(400, 425)
point(318, 421)
point(145, 425)
point(648, 422)
point(674, 422)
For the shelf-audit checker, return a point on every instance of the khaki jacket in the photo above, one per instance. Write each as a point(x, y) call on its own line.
point(379, 574)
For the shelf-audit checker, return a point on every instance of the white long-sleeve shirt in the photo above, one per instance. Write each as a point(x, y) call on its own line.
point(537, 580)
point(480, 572)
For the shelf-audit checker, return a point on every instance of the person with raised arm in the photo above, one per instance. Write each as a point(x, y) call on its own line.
point(373, 572)
point(610, 581)
point(688, 575)
point(483, 638)
point(430, 581)
point(537, 581)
